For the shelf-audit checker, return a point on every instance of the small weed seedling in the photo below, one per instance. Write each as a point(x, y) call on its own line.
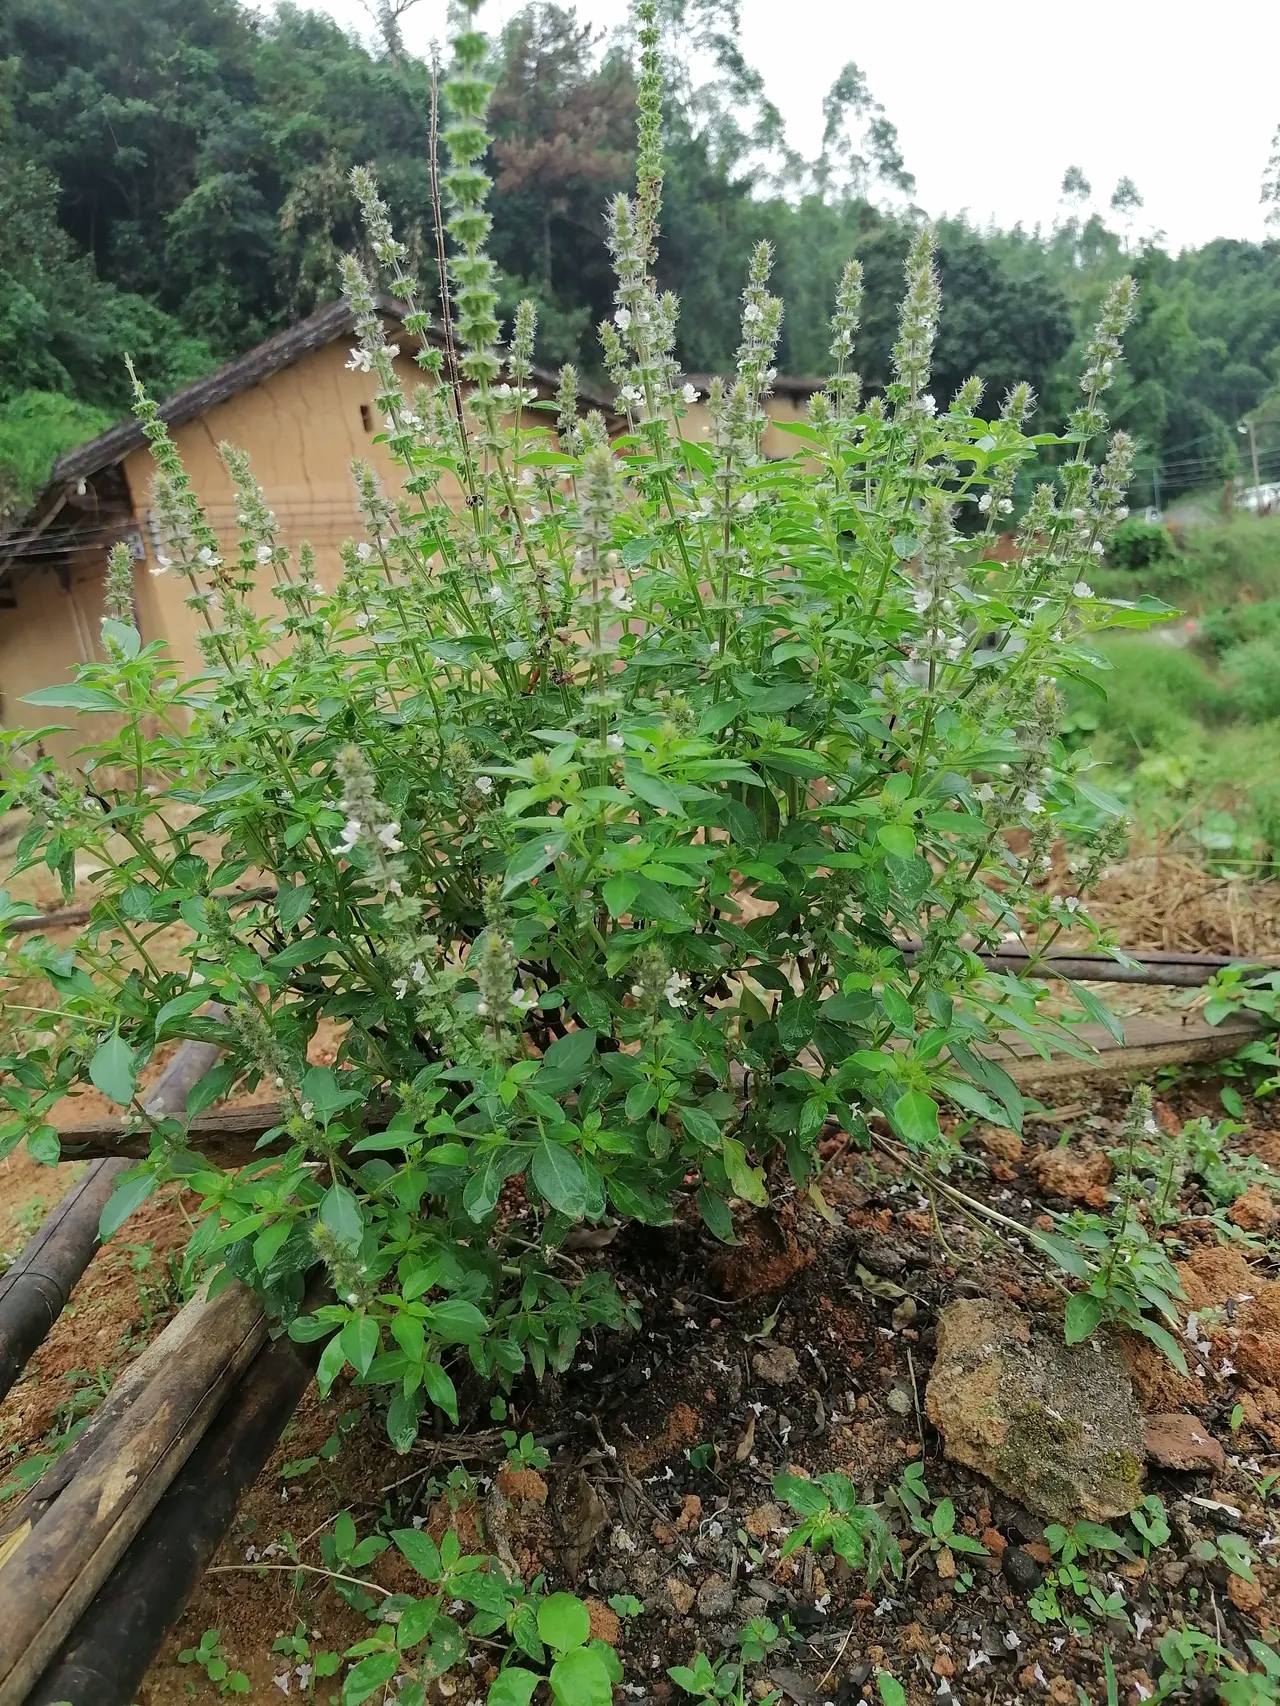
point(213, 1662)
point(832, 1516)
point(1128, 1277)
point(1190, 1657)
point(937, 1527)
point(727, 1681)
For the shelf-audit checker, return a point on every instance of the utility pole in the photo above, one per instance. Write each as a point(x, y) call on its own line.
point(1246, 425)
point(1155, 486)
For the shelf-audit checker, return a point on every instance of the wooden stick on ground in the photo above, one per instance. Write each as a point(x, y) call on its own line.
point(34, 1291)
point(53, 1564)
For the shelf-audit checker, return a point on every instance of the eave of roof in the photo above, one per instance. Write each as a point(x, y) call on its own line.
point(315, 332)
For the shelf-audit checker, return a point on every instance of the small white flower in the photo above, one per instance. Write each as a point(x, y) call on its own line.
point(622, 318)
point(752, 314)
point(1098, 548)
point(482, 1008)
point(282, 1681)
point(523, 999)
point(362, 620)
point(389, 836)
point(630, 395)
point(392, 350)
point(494, 594)
point(364, 551)
point(689, 393)
point(400, 988)
point(1082, 589)
point(621, 599)
point(921, 598)
point(162, 564)
point(361, 361)
point(209, 557)
point(985, 792)
point(615, 743)
point(929, 404)
point(1122, 512)
point(418, 972)
point(350, 834)
point(674, 989)
point(265, 553)
point(1071, 902)
point(503, 391)
point(984, 503)
point(1005, 506)
point(317, 589)
point(1031, 802)
point(484, 784)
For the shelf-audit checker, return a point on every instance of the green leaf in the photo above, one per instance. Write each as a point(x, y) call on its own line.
point(111, 1070)
point(74, 697)
point(292, 904)
point(898, 839)
point(698, 1125)
point(332, 1362)
point(513, 1687)
point(530, 859)
point(914, 1116)
point(715, 1211)
point(568, 1058)
point(416, 1623)
point(321, 1088)
point(457, 1321)
point(128, 1195)
point(558, 1177)
point(890, 1689)
point(564, 1622)
point(747, 1182)
point(1084, 1312)
point(211, 1088)
point(179, 1008)
point(1163, 1340)
point(360, 1338)
point(440, 1390)
point(43, 1145)
point(402, 1431)
point(619, 893)
point(1098, 1011)
point(653, 901)
point(652, 789)
point(365, 1678)
point(581, 1678)
point(419, 1550)
point(340, 1212)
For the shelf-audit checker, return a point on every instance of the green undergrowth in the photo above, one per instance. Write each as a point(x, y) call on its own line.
point(1190, 730)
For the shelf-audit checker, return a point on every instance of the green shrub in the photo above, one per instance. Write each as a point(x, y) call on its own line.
point(1141, 545)
point(1238, 623)
point(511, 780)
point(1252, 672)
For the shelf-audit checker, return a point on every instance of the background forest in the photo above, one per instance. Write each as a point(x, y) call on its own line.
point(173, 182)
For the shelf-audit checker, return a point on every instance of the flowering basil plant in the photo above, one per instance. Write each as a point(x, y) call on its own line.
point(587, 814)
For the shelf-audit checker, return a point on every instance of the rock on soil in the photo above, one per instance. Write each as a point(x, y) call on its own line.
point(1077, 1177)
point(778, 1364)
point(1181, 1442)
point(1054, 1426)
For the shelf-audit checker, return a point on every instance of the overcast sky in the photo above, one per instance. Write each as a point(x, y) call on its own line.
point(993, 102)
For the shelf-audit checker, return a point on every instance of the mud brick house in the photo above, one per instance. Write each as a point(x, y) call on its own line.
point(300, 413)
